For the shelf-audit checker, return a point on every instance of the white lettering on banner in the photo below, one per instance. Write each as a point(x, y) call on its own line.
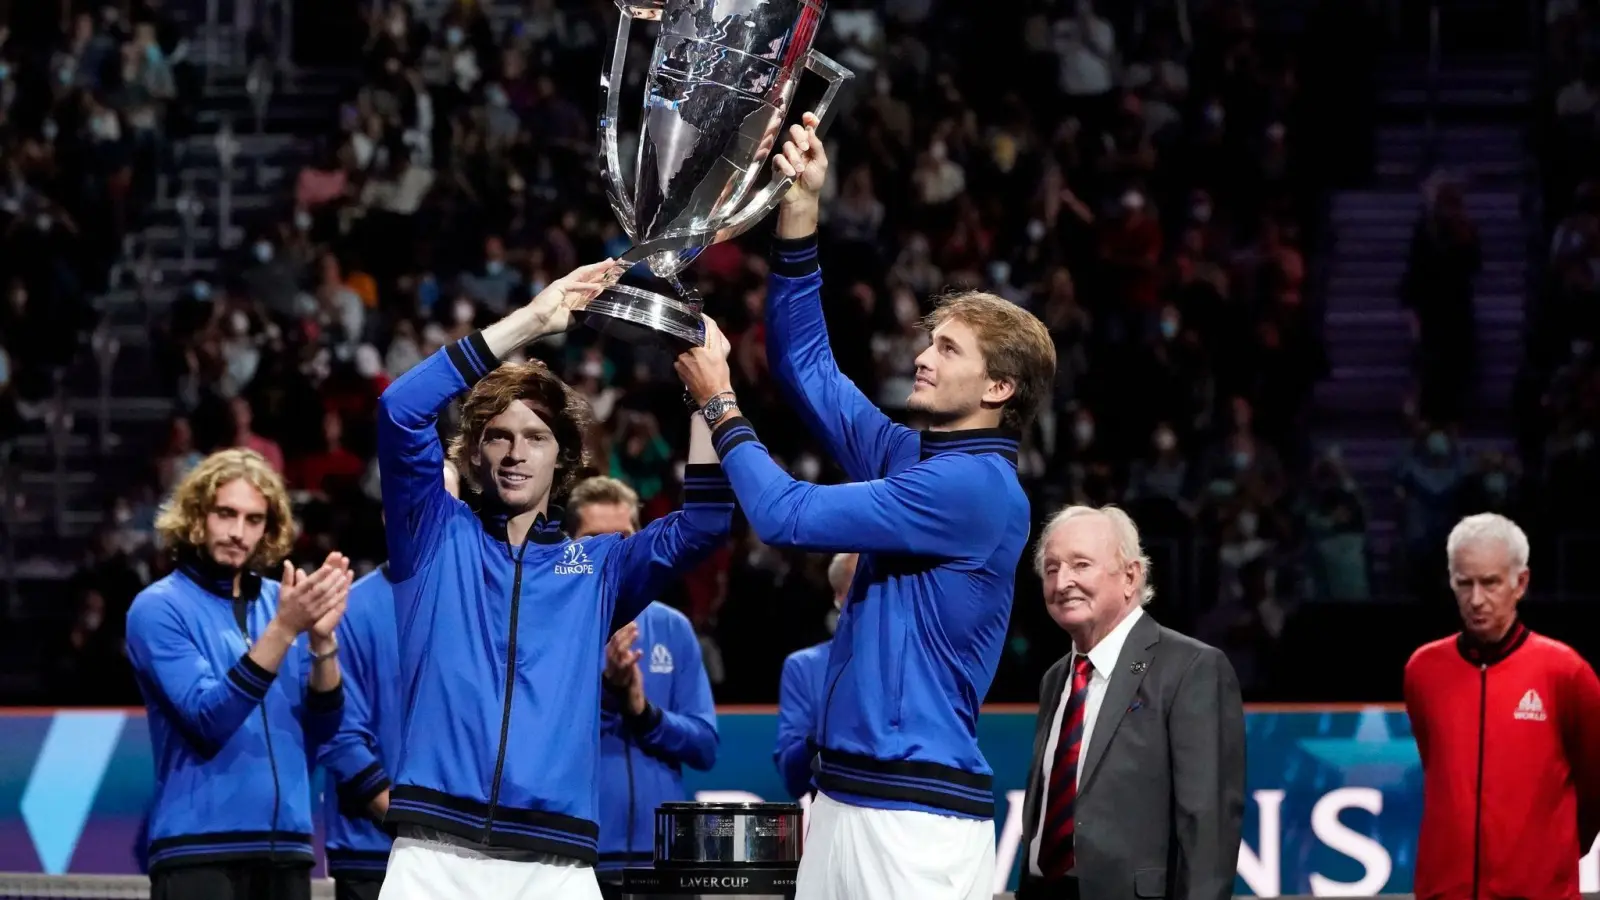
point(1263, 874)
point(1260, 869)
point(1326, 826)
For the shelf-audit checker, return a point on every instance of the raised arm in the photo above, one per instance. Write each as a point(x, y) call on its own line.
point(1206, 732)
point(410, 454)
point(642, 566)
point(685, 734)
point(859, 437)
point(796, 728)
point(944, 506)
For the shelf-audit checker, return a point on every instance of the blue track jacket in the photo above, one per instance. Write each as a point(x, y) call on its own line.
point(499, 644)
point(800, 693)
point(231, 740)
point(940, 521)
point(642, 757)
point(366, 747)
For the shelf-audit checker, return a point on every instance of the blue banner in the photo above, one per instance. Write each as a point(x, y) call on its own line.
point(1334, 794)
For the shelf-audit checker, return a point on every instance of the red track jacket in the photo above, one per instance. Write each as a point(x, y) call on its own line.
point(1510, 742)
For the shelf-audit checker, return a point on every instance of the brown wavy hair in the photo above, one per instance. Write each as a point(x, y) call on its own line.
point(1016, 348)
point(181, 522)
point(561, 407)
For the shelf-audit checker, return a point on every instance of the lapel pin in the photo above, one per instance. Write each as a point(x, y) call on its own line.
point(1139, 667)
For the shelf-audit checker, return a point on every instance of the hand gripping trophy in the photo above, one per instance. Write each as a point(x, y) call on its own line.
point(721, 80)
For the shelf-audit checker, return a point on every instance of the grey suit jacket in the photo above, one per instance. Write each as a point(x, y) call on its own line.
point(1161, 798)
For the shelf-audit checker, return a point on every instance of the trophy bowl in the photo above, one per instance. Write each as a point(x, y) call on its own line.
point(721, 80)
point(729, 835)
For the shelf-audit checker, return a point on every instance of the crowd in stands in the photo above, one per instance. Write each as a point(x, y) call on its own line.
point(1559, 409)
point(87, 105)
point(1134, 175)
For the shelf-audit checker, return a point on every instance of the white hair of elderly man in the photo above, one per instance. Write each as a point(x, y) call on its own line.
point(1490, 528)
point(1129, 548)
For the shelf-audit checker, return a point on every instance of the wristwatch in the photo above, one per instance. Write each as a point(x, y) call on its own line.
point(718, 406)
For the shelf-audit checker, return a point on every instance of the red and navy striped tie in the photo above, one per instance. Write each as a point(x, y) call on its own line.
point(1056, 857)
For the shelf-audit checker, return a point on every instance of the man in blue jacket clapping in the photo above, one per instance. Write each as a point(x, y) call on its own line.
point(241, 682)
point(503, 620)
point(657, 714)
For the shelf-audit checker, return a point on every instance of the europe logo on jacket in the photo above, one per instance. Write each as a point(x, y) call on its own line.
point(574, 561)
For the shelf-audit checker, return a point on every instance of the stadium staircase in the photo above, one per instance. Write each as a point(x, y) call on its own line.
point(1361, 408)
point(116, 407)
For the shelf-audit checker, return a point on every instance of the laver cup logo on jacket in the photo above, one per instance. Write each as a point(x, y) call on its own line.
point(1530, 708)
point(574, 561)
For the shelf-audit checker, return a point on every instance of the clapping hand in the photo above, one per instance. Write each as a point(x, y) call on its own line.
point(622, 666)
point(315, 602)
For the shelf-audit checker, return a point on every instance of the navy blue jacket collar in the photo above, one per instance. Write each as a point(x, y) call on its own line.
point(546, 528)
point(217, 579)
point(1003, 441)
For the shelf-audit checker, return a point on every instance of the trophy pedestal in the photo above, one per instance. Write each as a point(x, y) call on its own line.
point(722, 883)
point(637, 315)
point(722, 850)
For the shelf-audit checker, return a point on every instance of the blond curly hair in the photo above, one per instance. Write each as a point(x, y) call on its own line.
point(181, 522)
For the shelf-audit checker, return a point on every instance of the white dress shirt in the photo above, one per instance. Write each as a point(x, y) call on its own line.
point(1103, 658)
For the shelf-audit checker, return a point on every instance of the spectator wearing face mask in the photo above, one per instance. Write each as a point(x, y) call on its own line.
point(1243, 468)
point(1429, 481)
point(1160, 482)
point(493, 285)
point(271, 280)
point(1130, 250)
point(1335, 521)
point(1494, 485)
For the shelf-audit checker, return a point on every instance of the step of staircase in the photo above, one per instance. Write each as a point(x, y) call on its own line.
point(1477, 135)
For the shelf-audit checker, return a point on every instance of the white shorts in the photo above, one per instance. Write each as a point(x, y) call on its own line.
point(857, 853)
point(424, 870)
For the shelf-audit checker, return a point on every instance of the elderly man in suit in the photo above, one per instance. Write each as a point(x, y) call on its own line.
point(1137, 783)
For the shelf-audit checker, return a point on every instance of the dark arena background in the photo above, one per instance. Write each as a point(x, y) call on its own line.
point(1322, 277)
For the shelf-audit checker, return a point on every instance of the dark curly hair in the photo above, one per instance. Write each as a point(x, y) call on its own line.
point(561, 407)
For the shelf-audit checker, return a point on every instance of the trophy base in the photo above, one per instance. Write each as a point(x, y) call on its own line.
point(638, 316)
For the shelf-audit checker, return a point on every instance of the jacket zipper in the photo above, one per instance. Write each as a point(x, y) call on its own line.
point(827, 705)
point(1477, 815)
point(272, 760)
point(627, 755)
point(511, 673)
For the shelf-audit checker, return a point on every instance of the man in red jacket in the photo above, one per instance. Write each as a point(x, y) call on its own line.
point(1508, 726)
